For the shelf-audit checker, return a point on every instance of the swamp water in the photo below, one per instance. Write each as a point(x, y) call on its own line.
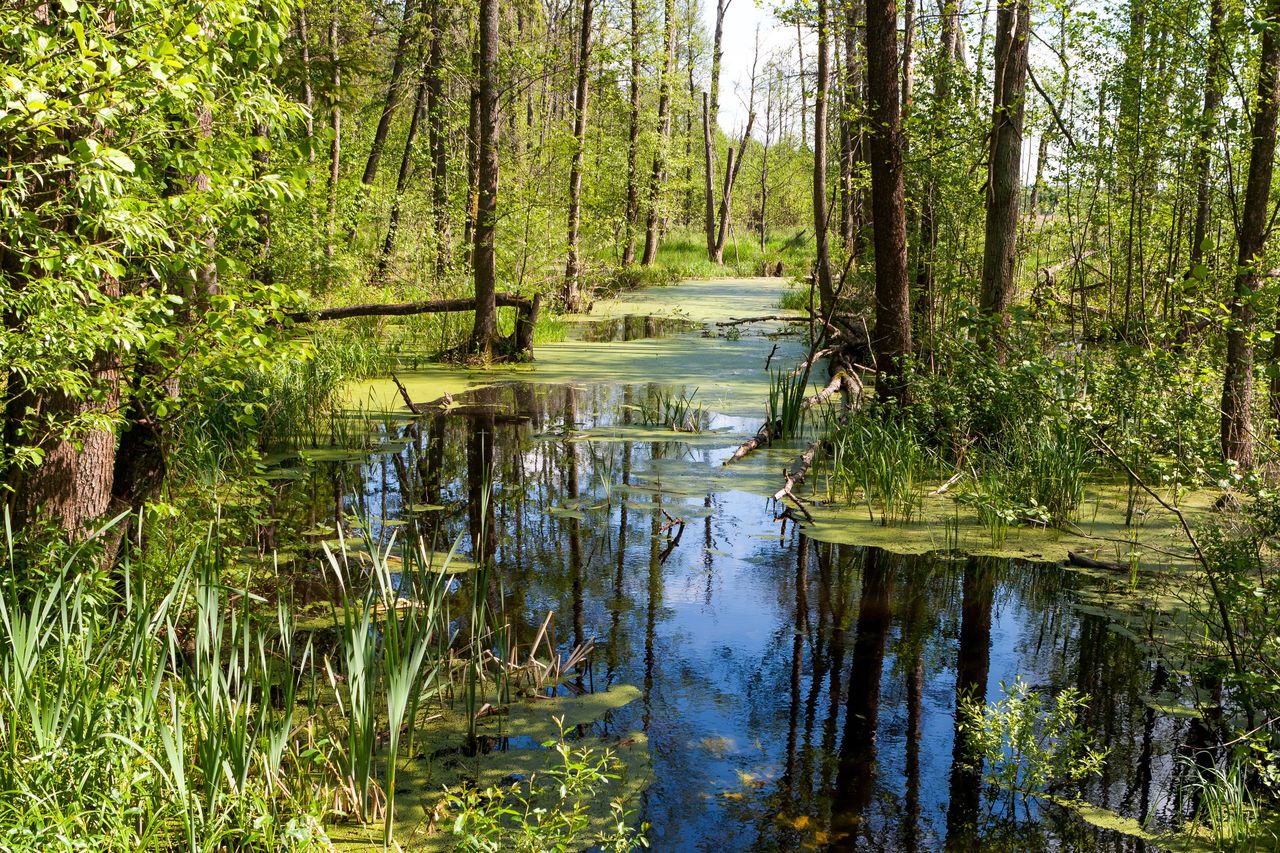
point(786, 693)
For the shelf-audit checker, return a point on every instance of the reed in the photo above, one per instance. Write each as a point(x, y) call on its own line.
point(784, 408)
point(877, 461)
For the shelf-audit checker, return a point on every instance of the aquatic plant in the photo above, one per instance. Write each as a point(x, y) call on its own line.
point(877, 461)
point(784, 408)
point(677, 410)
point(1026, 745)
point(550, 811)
point(1225, 805)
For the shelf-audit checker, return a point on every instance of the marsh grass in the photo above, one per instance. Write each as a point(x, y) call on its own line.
point(679, 410)
point(192, 717)
point(784, 407)
point(1225, 805)
point(1035, 476)
point(878, 462)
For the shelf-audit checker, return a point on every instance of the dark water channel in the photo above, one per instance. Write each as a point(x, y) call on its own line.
point(796, 694)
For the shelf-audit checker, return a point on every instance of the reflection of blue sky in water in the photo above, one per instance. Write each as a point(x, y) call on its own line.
point(752, 745)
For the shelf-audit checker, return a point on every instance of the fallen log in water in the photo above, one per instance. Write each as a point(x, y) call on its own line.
point(520, 341)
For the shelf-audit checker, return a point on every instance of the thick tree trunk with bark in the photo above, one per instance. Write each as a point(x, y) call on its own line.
point(484, 334)
point(892, 338)
point(659, 173)
point(822, 261)
point(1237, 387)
point(572, 299)
point(999, 257)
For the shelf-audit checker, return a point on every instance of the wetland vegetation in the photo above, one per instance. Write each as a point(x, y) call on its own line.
point(622, 424)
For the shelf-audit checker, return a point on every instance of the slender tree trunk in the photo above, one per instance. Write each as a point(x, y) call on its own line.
point(822, 261)
point(632, 217)
point(732, 167)
point(402, 179)
point(308, 99)
point(436, 139)
point(473, 156)
point(392, 99)
point(659, 173)
point(1214, 80)
point(892, 338)
point(999, 258)
point(572, 300)
point(708, 180)
point(764, 166)
point(335, 127)
point(485, 333)
point(908, 58)
point(710, 118)
point(949, 41)
point(851, 107)
point(804, 93)
point(1237, 387)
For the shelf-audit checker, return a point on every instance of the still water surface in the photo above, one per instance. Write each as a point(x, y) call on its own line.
point(795, 694)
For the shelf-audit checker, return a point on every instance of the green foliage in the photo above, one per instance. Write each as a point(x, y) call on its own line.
point(551, 811)
point(1027, 746)
point(131, 172)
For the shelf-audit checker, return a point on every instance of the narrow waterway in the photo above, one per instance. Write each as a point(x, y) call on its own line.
point(795, 694)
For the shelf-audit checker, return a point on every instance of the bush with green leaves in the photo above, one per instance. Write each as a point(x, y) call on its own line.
point(550, 811)
point(1028, 744)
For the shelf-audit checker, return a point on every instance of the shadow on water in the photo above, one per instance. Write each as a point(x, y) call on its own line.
point(796, 694)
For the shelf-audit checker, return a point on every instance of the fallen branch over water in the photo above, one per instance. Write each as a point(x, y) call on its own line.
point(404, 309)
point(740, 321)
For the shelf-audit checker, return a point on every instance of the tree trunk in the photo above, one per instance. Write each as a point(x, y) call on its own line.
point(392, 100)
point(572, 300)
point(632, 218)
point(708, 180)
point(473, 156)
point(659, 173)
point(1237, 386)
point(308, 99)
point(999, 257)
point(892, 339)
point(764, 166)
point(822, 261)
point(436, 139)
point(804, 94)
point(851, 97)
point(710, 118)
point(402, 180)
point(731, 169)
point(484, 335)
point(335, 144)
